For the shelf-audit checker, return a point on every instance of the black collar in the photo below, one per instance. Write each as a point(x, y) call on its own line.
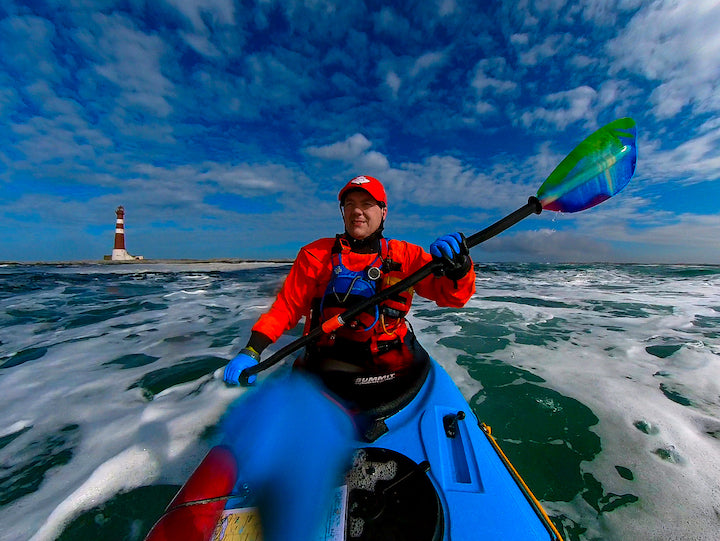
point(368, 245)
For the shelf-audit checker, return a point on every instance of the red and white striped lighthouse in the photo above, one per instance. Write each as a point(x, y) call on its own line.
point(119, 230)
point(119, 252)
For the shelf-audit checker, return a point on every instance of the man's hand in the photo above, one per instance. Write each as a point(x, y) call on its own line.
point(452, 250)
point(245, 359)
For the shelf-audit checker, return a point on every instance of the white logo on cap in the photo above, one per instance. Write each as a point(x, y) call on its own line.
point(360, 180)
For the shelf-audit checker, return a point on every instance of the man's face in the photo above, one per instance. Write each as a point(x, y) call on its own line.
point(362, 214)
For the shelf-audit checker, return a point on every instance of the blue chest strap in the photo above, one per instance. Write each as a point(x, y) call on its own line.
point(346, 284)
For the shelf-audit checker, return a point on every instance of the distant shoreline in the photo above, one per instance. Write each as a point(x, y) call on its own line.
point(147, 261)
point(241, 261)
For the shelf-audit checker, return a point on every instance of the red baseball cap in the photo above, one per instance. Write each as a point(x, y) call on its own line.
point(370, 184)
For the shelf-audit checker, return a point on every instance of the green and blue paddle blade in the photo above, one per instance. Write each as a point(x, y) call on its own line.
point(594, 171)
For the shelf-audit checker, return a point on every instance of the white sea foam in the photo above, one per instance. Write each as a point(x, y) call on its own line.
point(131, 468)
point(605, 366)
point(125, 441)
point(15, 427)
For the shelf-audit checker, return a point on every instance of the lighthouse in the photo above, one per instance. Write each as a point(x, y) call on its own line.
point(119, 252)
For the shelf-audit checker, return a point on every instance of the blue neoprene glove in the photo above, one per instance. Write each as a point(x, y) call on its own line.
point(245, 359)
point(452, 250)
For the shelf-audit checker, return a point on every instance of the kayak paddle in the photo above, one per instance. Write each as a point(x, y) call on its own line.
point(594, 171)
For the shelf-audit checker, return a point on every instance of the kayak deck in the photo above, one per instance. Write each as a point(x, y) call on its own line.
point(481, 497)
point(433, 474)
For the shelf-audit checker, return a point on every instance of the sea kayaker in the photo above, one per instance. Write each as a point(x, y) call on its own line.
point(376, 355)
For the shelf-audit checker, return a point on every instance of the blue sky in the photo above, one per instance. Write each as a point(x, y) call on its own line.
point(226, 128)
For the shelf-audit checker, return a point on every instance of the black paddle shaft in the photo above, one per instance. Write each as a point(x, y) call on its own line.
point(533, 206)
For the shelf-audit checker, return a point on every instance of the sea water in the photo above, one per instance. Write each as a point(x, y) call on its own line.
point(600, 382)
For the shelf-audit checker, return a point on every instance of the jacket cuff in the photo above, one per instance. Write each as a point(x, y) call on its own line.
point(460, 272)
point(258, 342)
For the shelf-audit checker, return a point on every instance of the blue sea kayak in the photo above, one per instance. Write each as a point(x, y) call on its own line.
point(429, 471)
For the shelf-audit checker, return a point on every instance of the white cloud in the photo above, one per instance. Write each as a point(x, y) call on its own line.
point(221, 97)
point(388, 21)
point(445, 181)
point(563, 108)
point(425, 62)
point(660, 236)
point(695, 232)
point(354, 152)
point(483, 108)
point(201, 44)
point(520, 39)
point(326, 19)
point(399, 93)
point(675, 45)
point(47, 141)
point(213, 30)
point(694, 160)
point(132, 60)
point(409, 77)
point(254, 179)
point(347, 150)
point(27, 46)
point(9, 99)
point(446, 7)
point(278, 78)
point(492, 84)
point(482, 84)
point(393, 81)
point(581, 61)
point(197, 11)
point(373, 161)
point(606, 12)
point(548, 48)
point(548, 245)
